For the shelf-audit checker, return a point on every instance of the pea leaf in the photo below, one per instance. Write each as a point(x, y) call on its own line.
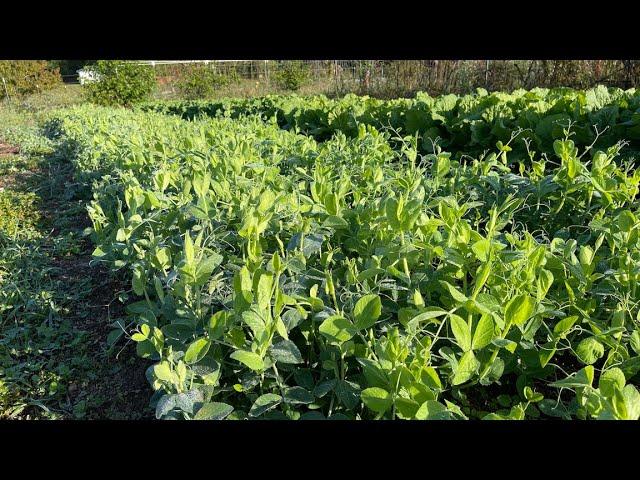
point(589, 350)
point(377, 399)
point(457, 295)
point(564, 325)
point(519, 309)
point(433, 410)
point(467, 367)
point(481, 248)
point(635, 341)
point(366, 311)
point(462, 332)
point(298, 395)
point(286, 351)
point(213, 411)
point(250, 359)
point(337, 329)
point(609, 379)
point(484, 332)
point(197, 350)
point(582, 378)
point(264, 403)
point(431, 313)
point(163, 372)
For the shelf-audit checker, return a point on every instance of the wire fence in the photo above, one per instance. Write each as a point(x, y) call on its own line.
point(377, 78)
point(387, 78)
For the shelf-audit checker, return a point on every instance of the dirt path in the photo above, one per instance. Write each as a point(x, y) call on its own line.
point(56, 310)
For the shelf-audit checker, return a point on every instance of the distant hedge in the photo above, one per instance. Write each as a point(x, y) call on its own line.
point(23, 77)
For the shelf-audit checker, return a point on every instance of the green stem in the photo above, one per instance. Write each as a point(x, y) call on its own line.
point(494, 355)
point(405, 265)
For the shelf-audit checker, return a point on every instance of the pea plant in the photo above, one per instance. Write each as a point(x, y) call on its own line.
point(277, 276)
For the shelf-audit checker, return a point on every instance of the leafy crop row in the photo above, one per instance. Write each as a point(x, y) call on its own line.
point(278, 277)
point(467, 124)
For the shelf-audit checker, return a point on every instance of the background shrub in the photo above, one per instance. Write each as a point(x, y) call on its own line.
point(201, 81)
point(292, 75)
point(120, 83)
point(23, 77)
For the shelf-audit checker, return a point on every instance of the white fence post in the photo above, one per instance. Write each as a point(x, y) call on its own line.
point(6, 90)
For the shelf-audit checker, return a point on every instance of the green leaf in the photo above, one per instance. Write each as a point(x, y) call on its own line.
point(391, 210)
point(609, 379)
point(217, 324)
point(430, 378)
point(337, 329)
point(163, 372)
point(564, 325)
point(484, 332)
point(250, 359)
point(582, 378)
point(213, 411)
point(543, 283)
point(589, 350)
point(136, 337)
point(406, 408)
point(482, 248)
point(264, 403)
point(286, 351)
point(432, 410)
point(377, 399)
point(454, 292)
point(482, 274)
point(519, 309)
point(634, 341)
point(366, 311)
point(137, 281)
point(462, 332)
point(281, 327)
point(431, 313)
point(255, 322)
point(206, 266)
point(505, 343)
point(547, 351)
point(189, 254)
point(298, 395)
point(632, 402)
point(197, 350)
point(265, 285)
point(467, 367)
point(165, 405)
point(532, 396)
point(333, 221)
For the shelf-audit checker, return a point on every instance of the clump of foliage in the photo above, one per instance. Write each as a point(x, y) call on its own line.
point(23, 77)
point(120, 83)
point(202, 81)
point(18, 214)
point(292, 75)
point(275, 276)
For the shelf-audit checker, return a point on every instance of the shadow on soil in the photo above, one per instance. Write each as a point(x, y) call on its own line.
point(66, 335)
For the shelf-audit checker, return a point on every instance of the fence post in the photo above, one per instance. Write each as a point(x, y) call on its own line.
point(6, 90)
point(486, 75)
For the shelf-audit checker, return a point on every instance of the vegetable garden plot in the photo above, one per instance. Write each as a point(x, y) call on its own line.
point(466, 124)
point(278, 277)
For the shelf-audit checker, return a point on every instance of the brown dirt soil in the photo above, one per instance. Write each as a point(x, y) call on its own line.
point(120, 386)
point(121, 382)
point(6, 149)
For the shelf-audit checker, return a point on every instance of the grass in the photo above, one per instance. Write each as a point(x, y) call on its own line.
point(246, 88)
